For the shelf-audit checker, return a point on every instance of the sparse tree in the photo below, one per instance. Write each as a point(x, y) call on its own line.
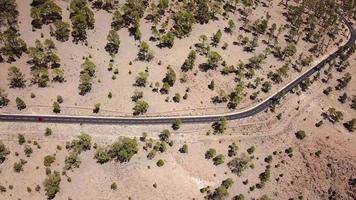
point(176, 124)
point(145, 53)
point(118, 21)
point(167, 40)
point(219, 159)
point(56, 107)
point(123, 149)
point(86, 76)
point(141, 107)
point(189, 62)
point(102, 155)
point(184, 148)
point(141, 79)
point(20, 104)
point(113, 44)
point(300, 135)
point(61, 31)
point(51, 184)
point(3, 98)
point(213, 59)
point(96, 108)
point(4, 151)
point(48, 160)
point(217, 37)
point(183, 23)
point(220, 126)
point(349, 125)
point(210, 153)
point(16, 78)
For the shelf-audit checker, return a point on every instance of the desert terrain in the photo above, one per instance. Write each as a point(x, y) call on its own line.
point(303, 147)
point(199, 100)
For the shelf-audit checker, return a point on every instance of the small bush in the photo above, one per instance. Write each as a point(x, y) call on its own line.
point(51, 184)
point(72, 161)
point(300, 135)
point(48, 160)
point(113, 186)
point(28, 150)
point(59, 99)
point(176, 124)
point(21, 139)
point(20, 104)
point(184, 148)
point(18, 166)
point(160, 163)
point(48, 132)
point(210, 153)
point(102, 155)
point(251, 150)
point(219, 159)
point(3, 152)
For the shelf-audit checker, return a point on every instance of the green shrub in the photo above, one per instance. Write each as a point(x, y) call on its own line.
point(48, 132)
point(44, 12)
point(113, 44)
point(210, 153)
point(300, 134)
point(83, 143)
point(61, 31)
point(4, 151)
point(140, 107)
point(176, 124)
point(18, 166)
point(28, 150)
point(264, 176)
point(72, 161)
point(251, 150)
point(16, 78)
point(86, 76)
point(217, 37)
point(189, 62)
point(219, 159)
point(164, 135)
point(56, 107)
point(232, 149)
point(102, 155)
point(96, 108)
point(269, 159)
point(48, 160)
point(123, 149)
point(145, 53)
point(3, 98)
point(239, 164)
point(113, 186)
point(220, 126)
point(20, 104)
point(183, 23)
point(167, 40)
point(184, 148)
point(51, 184)
point(21, 139)
point(160, 163)
point(82, 18)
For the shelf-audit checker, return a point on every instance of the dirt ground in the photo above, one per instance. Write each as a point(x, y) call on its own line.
point(199, 99)
point(304, 174)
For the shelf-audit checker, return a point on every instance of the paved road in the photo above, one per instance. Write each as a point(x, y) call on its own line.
point(185, 119)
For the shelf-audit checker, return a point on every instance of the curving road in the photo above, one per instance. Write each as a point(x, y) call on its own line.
point(185, 119)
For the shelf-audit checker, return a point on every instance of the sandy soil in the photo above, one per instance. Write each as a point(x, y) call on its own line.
point(199, 100)
point(303, 174)
point(326, 176)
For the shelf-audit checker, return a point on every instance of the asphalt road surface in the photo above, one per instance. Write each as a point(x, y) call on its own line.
point(185, 119)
